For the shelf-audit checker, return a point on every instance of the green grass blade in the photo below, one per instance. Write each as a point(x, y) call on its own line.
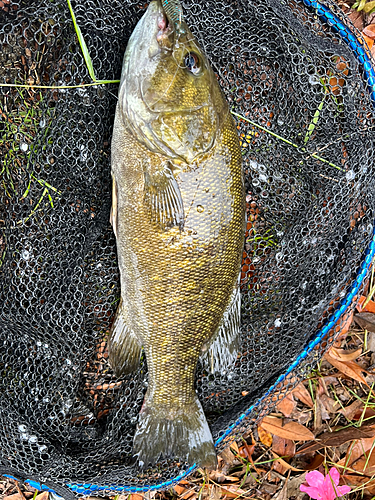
point(82, 43)
point(314, 121)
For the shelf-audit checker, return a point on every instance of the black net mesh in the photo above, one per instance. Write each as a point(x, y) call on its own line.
point(299, 84)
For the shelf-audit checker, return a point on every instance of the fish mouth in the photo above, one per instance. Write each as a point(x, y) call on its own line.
point(164, 28)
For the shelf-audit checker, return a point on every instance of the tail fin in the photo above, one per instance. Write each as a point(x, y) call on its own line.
point(163, 432)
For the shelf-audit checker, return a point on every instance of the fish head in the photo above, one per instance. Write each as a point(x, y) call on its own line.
point(169, 94)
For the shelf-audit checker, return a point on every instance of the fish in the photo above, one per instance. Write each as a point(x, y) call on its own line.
point(178, 214)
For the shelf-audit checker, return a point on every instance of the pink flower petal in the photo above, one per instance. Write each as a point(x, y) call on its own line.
point(335, 475)
point(311, 491)
point(343, 490)
point(314, 478)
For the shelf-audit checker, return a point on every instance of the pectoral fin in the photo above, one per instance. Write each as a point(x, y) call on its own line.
point(162, 198)
point(124, 349)
point(221, 354)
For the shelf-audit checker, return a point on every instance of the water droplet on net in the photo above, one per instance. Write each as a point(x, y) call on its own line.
point(350, 175)
point(33, 439)
point(200, 209)
point(280, 121)
point(84, 153)
point(263, 178)
point(24, 146)
point(25, 254)
point(42, 123)
point(22, 428)
point(264, 50)
point(279, 256)
point(314, 80)
point(42, 448)
point(277, 323)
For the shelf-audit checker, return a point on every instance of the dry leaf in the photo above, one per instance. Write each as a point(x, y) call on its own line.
point(178, 489)
point(359, 448)
point(348, 368)
point(368, 40)
point(234, 447)
point(300, 392)
point(343, 355)
point(351, 410)
point(285, 464)
point(232, 491)
point(287, 405)
point(369, 31)
point(42, 496)
point(366, 320)
point(265, 437)
point(337, 438)
point(283, 448)
point(16, 496)
point(316, 463)
point(354, 480)
point(370, 307)
point(291, 430)
point(366, 464)
point(329, 404)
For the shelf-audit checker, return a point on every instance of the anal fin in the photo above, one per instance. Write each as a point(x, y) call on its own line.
point(162, 198)
point(124, 349)
point(221, 353)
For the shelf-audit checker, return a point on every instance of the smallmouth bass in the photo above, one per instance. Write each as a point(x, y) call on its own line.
point(178, 215)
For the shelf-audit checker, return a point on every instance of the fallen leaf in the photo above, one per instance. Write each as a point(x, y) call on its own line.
point(283, 493)
point(351, 410)
point(354, 480)
point(359, 448)
point(290, 430)
point(285, 464)
point(177, 488)
point(300, 392)
point(369, 40)
point(329, 404)
point(283, 448)
point(16, 496)
point(265, 437)
point(234, 448)
point(42, 496)
point(366, 464)
point(370, 307)
point(294, 484)
point(369, 31)
point(342, 327)
point(287, 405)
point(343, 355)
point(337, 438)
point(316, 463)
point(232, 491)
point(348, 368)
point(366, 320)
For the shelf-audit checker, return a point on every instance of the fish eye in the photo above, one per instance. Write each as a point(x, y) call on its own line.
point(192, 63)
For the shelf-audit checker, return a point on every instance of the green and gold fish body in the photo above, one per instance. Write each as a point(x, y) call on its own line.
point(178, 216)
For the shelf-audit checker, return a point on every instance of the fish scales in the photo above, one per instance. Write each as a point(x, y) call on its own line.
point(178, 215)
